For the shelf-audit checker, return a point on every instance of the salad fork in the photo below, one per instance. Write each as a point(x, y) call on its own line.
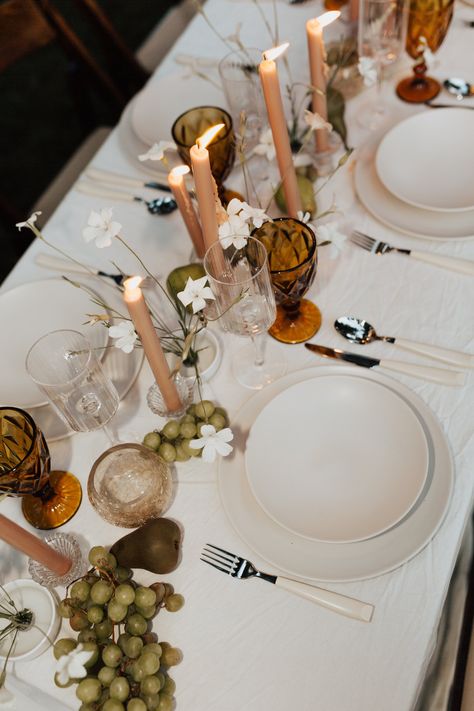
point(241, 568)
point(378, 247)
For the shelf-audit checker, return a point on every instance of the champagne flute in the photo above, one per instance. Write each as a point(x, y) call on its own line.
point(240, 282)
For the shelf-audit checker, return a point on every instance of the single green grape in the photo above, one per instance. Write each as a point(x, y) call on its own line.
point(149, 686)
point(189, 450)
point(119, 689)
point(112, 655)
point(89, 690)
point(169, 687)
point(187, 418)
point(69, 682)
point(63, 646)
point(161, 677)
point(152, 702)
point(191, 410)
point(122, 574)
point(111, 561)
point(171, 657)
point(169, 589)
point(153, 647)
point(106, 675)
point(88, 635)
point(181, 455)
point(217, 421)
point(91, 647)
point(149, 663)
point(221, 411)
point(147, 612)
point(166, 703)
point(124, 594)
point(113, 705)
point(87, 707)
point(66, 608)
point(204, 409)
point(174, 602)
point(97, 555)
point(167, 452)
point(188, 430)
point(79, 621)
point(152, 440)
point(80, 591)
point(144, 597)
point(116, 611)
point(122, 640)
point(137, 672)
point(133, 647)
point(171, 429)
point(159, 589)
point(103, 629)
point(95, 614)
point(136, 704)
point(136, 624)
point(101, 592)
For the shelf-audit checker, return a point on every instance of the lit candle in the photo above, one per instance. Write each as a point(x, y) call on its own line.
point(276, 117)
point(317, 66)
point(206, 189)
point(186, 208)
point(33, 546)
point(140, 316)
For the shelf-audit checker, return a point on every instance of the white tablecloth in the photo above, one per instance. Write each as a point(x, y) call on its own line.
point(246, 645)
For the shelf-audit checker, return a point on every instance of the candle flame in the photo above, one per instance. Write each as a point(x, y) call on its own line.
point(204, 140)
point(181, 170)
point(275, 52)
point(132, 283)
point(327, 17)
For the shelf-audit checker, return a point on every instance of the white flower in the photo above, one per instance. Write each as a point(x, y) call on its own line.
point(125, 335)
point(196, 292)
point(157, 151)
point(303, 216)
point(301, 160)
point(367, 69)
point(71, 666)
point(330, 233)
point(315, 121)
point(212, 442)
point(101, 228)
point(256, 214)
point(29, 222)
point(266, 147)
point(234, 232)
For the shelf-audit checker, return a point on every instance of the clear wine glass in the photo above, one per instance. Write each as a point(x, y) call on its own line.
point(381, 38)
point(240, 281)
point(65, 367)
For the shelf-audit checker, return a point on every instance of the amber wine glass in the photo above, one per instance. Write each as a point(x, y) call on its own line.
point(49, 499)
point(428, 23)
point(293, 258)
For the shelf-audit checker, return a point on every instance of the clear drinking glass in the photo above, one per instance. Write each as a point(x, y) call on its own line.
point(382, 33)
point(66, 369)
point(240, 282)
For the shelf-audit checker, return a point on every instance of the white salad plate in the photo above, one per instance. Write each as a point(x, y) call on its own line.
point(337, 459)
point(399, 215)
point(313, 560)
point(28, 312)
point(427, 160)
point(132, 146)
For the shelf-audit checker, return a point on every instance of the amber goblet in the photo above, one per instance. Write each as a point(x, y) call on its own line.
point(49, 498)
point(192, 124)
point(292, 258)
point(428, 22)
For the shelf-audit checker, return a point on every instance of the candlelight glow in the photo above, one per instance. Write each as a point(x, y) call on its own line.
point(132, 283)
point(204, 140)
point(327, 17)
point(275, 52)
point(181, 170)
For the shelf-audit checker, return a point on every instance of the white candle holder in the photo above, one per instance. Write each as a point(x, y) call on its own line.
point(157, 404)
point(325, 161)
point(68, 546)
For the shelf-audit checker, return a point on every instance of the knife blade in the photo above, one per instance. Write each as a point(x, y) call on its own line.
point(444, 376)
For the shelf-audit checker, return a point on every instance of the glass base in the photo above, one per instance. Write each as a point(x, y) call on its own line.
point(57, 502)
point(417, 90)
point(67, 545)
point(157, 405)
point(253, 376)
point(299, 329)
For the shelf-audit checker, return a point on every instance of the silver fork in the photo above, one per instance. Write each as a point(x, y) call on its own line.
point(463, 266)
point(238, 567)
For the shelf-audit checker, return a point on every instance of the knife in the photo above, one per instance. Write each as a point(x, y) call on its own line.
point(436, 375)
point(106, 176)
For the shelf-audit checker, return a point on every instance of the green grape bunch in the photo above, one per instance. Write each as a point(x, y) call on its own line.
point(128, 667)
point(172, 441)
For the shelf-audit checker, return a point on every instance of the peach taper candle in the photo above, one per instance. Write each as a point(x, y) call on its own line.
point(206, 190)
point(181, 195)
point(32, 546)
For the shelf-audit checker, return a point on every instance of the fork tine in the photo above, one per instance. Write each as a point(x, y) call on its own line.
point(219, 559)
point(363, 237)
point(223, 570)
point(232, 555)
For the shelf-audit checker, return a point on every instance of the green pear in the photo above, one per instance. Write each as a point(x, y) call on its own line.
point(155, 546)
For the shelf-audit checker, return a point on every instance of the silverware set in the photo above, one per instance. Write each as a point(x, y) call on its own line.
point(156, 206)
point(49, 261)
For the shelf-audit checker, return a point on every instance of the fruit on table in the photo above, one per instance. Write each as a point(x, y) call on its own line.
point(155, 546)
point(306, 190)
point(177, 279)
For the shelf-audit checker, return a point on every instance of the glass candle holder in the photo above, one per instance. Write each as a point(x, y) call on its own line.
point(129, 484)
point(156, 401)
point(67, 545)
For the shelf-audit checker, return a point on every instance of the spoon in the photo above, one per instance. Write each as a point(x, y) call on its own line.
point(359, 331)
point(459, 87)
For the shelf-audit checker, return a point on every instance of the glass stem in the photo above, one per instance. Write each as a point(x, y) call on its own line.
point(378, 97)
point(259, 344)
point(108, 433)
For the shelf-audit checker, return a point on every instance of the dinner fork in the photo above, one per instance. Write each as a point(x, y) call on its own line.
point(238, 567)
point(463, 266)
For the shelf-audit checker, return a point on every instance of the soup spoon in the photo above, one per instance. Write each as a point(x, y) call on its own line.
point(459, 87)
point(359, 331)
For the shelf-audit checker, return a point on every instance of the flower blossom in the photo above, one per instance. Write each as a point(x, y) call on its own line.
point(195, 293)
point(29, 222)
point(330, 233)
point(125, 335)
point(368, 70)
point(303, 216)
point(235, 230)
point(266, 147)
point(212, 442)
point(247, 213)
point(101, 228)
point(157, 151)
point(315, 121)
point(71, 666)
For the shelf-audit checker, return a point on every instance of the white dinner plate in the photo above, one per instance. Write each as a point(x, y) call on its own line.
point(427, 160)
point(337, 459)
point(132, 146)
point(400, 216)
point(28, 312)
point(332, 562)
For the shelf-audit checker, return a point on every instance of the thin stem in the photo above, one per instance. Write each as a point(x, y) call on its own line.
point(259, 344)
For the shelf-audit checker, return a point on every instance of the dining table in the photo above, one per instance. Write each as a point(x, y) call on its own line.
point(247, 645)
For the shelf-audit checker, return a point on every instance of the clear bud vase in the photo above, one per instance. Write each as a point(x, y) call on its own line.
point(157, 404)
point(69, 547)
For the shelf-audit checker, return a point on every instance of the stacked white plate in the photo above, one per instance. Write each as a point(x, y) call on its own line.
point(419, 178)
point(336, 475)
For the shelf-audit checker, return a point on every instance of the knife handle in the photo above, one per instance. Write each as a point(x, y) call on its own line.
point(99, 191)
point(463, 360)
point(344, 605)
point(436, 375)
point(463, 266)
point(106, 176)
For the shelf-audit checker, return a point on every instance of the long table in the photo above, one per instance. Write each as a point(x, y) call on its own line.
point(246, 645)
